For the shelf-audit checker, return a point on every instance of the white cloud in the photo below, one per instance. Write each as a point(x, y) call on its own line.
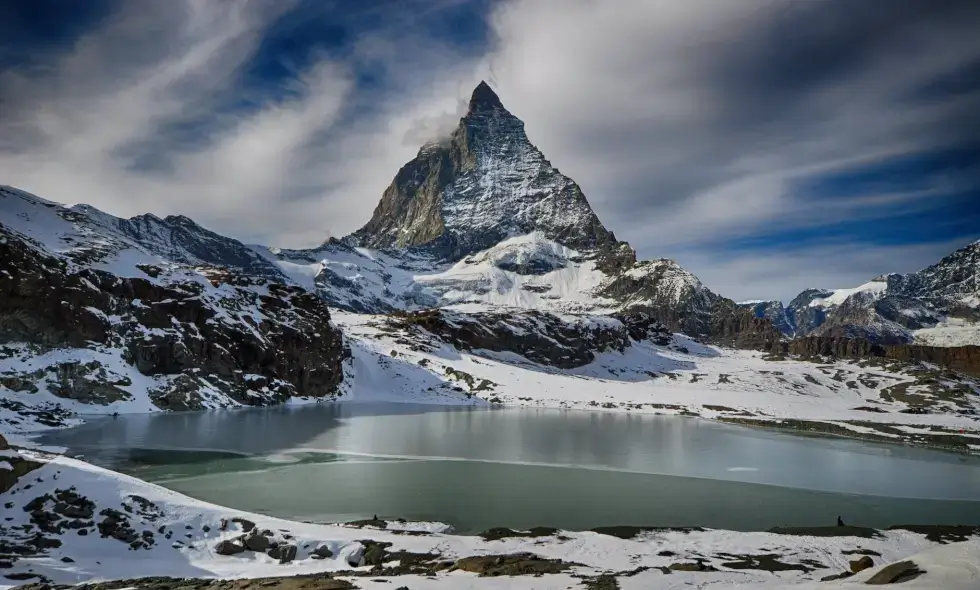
point(782, 274)
point(681, 121)
point(649, 105)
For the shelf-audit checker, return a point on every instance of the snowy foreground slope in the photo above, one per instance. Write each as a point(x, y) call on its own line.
point(71, 522)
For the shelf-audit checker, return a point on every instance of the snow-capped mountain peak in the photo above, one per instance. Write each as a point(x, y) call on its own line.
point(484, 99)
point(483, 184)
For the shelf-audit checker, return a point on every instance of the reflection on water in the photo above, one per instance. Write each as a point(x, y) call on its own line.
point(525, 467)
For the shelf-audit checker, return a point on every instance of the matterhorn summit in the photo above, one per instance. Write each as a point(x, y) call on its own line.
point(484, 183)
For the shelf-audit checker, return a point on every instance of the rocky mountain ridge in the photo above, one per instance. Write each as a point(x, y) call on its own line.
point(92, 313)
point(938, 305)
point(482, 217)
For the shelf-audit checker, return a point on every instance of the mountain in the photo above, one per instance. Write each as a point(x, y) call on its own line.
point(775, 312)
point(483, 277)
point(938, 305)
point(483, 184)
point(482, 217)
point(149, 312)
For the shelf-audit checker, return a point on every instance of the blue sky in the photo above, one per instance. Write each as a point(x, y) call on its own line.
point(767, 146)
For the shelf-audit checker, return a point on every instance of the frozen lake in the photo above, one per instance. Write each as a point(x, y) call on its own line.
point(477, 468)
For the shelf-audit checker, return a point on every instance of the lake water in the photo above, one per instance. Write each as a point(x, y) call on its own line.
point(477, 468)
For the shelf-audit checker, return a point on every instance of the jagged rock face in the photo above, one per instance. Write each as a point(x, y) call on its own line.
point(181, 240)
point(89, 236)
point(643, 327)
point(538, 336)
point(252, 342)
point(483, 184)
point(667, 292)
point(965, 359)
point(858, 317)
point(487, 199)
point(954, 277)
point(804, 317)
point(774, 312)
point(890, 308)
point(733, 325)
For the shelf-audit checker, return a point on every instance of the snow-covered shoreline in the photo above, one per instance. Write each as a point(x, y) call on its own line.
point(181, 537)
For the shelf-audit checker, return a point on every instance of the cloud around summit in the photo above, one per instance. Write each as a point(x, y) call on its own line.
point(768, 146)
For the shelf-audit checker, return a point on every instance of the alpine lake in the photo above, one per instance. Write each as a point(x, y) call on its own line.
point(477, 468)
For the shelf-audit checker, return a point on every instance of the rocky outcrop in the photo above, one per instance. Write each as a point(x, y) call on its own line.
point(19, 466)
point(965, 359)
point(812, 346)
point(738, 327)
point(774, 312)
point(666, 292)
point(644, 327)
point(253, 341)
point(805, 317)
point(538, 336)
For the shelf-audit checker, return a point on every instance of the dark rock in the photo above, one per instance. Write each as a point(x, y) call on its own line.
point(538, 336)
point(941, 533)
point(20, 465)
point(697, 566)
point(531, 196)
point(284, 553)
point(965, 359)
point(256, 542)
point(44, 301)
point(896, 573)
point(247, 525)
point(516, 564)
point(629, 532)
point(323, 552)
point(495, 534)
point(861, 564)
point(228, 547)
point(839, 576)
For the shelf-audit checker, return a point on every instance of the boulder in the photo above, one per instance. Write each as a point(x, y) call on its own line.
point(322, 552)
point(247, 525)
point(895, 573)
point(284, 553)
point(256, 542)
point(859, 565)
point(229, 547)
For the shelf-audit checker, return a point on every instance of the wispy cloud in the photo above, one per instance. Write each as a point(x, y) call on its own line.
point(705, 131)
point(697, 122)
point(150, 112)
point(781, 273)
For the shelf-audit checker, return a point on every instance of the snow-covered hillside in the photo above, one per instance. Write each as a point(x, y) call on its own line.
point(886, 401)
point(91, 319)
point(528, 271)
